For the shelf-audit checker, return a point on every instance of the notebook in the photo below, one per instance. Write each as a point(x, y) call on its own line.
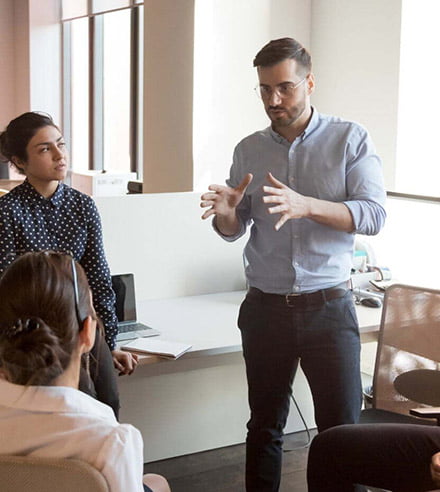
point(125, 304)
point(163, 348)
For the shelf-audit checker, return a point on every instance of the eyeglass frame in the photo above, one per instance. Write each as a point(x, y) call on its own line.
point(69, 254)
point(291, 89)
point(76, 291)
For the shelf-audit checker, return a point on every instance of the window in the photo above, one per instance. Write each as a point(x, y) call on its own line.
point(79, 93)
point(116, 89)
point(102, 82)
point(418, 165)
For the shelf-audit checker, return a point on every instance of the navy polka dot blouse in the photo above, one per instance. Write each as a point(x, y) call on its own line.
point(69, 222)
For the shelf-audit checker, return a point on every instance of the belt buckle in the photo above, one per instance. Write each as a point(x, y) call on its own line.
point(291, 298)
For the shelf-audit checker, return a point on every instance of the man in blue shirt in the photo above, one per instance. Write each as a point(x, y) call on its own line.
point(306, 185)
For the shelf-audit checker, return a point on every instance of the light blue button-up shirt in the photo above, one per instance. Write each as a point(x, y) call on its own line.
point(332, 160)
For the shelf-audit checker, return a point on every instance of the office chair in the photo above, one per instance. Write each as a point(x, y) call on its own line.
point(407, 368)
point(406, 373)
point(27, 473)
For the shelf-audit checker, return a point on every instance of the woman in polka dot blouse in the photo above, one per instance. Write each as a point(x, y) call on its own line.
point(45, 214)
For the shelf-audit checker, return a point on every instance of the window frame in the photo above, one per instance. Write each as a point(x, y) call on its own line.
point(95, 86)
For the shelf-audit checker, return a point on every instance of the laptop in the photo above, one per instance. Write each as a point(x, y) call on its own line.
point(125, 304)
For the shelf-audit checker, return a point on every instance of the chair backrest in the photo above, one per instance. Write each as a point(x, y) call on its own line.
point(27, 473)
point(409, 339)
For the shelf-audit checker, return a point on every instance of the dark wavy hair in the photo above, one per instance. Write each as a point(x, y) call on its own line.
point(18, 133)
point(282, 49)
point(39, 322)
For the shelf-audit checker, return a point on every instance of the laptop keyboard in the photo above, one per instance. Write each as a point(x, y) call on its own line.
point(131, 327)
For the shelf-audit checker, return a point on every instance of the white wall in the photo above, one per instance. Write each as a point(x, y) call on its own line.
point(162, 239)
point(228, 35)
point(355, 50)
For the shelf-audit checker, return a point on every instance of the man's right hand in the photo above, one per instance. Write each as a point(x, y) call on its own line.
point(222, 202)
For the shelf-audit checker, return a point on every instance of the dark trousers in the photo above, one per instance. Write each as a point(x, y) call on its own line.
point(102, 383)
point(325, 341)
point(390, 456)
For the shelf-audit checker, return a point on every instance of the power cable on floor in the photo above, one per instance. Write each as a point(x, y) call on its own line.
point(309, 438)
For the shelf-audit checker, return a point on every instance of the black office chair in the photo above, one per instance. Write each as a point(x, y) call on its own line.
point(406, 381)
point(408, 357)
point(406, 373)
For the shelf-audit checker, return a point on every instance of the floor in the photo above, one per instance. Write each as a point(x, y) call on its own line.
point(222, 470)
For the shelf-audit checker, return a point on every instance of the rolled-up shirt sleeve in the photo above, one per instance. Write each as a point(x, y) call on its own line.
point(365, 187)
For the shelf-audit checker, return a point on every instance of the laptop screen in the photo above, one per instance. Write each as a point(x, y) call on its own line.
point(125, 303)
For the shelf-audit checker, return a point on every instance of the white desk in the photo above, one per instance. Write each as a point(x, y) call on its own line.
point(199, 401)
point(209, 322)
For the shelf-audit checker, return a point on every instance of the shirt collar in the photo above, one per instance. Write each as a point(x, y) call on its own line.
point(313, 123)
point(57, 197)
point(50, 399)
point(32, 194)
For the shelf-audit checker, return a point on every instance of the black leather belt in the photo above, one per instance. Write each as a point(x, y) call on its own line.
point(306, 300)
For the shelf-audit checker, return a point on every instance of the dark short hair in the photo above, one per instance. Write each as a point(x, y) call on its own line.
point(39, 324)
point(282, 49)
point(18, 133)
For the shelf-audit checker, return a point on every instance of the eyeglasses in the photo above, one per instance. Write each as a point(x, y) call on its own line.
point(69, 255)
point(75, 291)
point(284, 90)
point(74, 281)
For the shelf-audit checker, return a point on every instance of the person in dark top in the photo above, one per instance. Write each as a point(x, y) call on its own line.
point(43, 213)
point(397, 457)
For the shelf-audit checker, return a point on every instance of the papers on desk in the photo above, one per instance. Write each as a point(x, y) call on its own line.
point(163, 348)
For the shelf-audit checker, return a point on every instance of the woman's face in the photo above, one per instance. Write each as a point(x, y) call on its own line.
point(47, 157)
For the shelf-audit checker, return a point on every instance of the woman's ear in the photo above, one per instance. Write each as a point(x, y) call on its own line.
point(87, 335)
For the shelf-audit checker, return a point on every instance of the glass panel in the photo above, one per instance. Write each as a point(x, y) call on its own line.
point(106, 5)
point(417, 162)
point(73, 8)
point(79, 88)
point(116, 86)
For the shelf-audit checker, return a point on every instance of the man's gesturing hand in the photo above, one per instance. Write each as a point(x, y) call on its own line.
point(223, 200)
point(290, 204)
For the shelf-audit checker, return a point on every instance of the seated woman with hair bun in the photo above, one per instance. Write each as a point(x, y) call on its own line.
point(47, 326)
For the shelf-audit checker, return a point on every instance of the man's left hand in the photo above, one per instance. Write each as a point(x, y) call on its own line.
point(290, 204)
point(125, 362)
